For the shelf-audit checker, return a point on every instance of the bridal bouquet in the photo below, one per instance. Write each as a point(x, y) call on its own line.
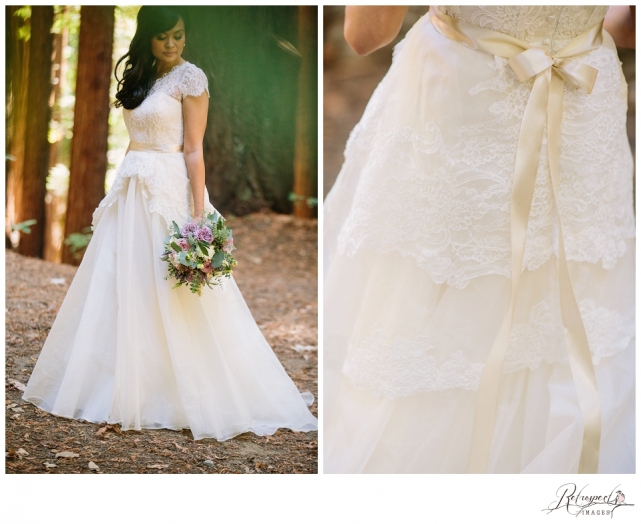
point(199, 254)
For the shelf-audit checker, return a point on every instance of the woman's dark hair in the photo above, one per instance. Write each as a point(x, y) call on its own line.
point(137, 78)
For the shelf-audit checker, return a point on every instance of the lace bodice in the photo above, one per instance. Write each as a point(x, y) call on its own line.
point(550, 26)
point(159, 119)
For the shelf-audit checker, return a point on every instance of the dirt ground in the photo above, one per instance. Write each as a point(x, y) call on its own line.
point(283, 299)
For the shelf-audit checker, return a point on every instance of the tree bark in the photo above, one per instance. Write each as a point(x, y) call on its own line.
point(36, 145)
point(250, 56)
point(91, 120)
point(305, 156)
point(16, 106)
point(55, 205)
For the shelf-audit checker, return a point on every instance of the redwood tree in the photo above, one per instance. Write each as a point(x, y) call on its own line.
point(16, 82)
point(91, 119)
point(306, 151)
point(36, 146)
point(251, 56)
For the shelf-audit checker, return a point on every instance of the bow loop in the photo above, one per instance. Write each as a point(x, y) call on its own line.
point(535, 60)
point(530, 63)
point(578, 75)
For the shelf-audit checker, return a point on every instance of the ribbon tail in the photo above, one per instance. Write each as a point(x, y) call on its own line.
point(526, 166)
point(576, 337)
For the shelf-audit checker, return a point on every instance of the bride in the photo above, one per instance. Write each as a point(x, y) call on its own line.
point(125, 347)
point(479, 250)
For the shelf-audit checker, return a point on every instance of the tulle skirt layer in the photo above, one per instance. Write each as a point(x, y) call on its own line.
point(127, 348)
point(403, 358)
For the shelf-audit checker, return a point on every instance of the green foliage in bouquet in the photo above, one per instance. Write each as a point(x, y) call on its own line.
point(199, 254)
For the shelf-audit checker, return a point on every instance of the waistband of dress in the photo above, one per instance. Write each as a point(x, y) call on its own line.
point(155, 148)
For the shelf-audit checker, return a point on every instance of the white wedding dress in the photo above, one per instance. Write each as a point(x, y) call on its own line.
point(417, 260)
point(127, 348)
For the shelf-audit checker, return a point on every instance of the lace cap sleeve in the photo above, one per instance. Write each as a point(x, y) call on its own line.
point(193, 82)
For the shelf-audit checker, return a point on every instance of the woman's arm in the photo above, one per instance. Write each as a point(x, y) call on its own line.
point(368, 28)
point(620, 23)
point(195, 118)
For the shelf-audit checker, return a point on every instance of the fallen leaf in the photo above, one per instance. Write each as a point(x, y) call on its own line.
point(48, 465)
point(254, 260)
point(299, 347)
point(67, 454)
point(101, 431)
point(157, 466)
point(17, 385)
point(58, 281)
point(17, 410)
point(12, 405)
point(93, 466)
point(21, 452)
point(208, 462)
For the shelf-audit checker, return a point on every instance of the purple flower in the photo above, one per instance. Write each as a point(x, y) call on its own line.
point(189, 228)
point(204, 234)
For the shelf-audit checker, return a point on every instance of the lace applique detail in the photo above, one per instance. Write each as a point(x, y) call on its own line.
point(443, 192)
point(398, 367)
point(555, 24)
point(183, 80)
point(407, 366)
point(166, 189)
point(193, 82)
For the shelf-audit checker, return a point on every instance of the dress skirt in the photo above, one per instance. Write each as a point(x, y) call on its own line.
point(127, 348)
point(417, 270)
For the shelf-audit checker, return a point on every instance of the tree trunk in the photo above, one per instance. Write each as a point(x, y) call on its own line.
point(17, 80)
point(305, 156)
point(251, 58)
point(55, 205)
point(36, 145)
point(91, 120)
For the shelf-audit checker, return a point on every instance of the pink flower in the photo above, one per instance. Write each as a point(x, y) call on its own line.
point(229, 243)
point(207, 268)
point(183, 244)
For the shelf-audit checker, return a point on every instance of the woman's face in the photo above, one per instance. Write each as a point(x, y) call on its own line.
point(168, 46)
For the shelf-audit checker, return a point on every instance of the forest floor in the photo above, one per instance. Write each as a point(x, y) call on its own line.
point(277, 274)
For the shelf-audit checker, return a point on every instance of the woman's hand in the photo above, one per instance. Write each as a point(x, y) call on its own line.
point(368, 28)
point(195, 119)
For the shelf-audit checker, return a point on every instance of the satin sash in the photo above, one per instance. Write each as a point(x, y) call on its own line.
point(550, 72)
point(155, 148)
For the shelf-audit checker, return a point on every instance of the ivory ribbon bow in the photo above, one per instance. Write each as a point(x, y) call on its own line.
point(550, 72)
